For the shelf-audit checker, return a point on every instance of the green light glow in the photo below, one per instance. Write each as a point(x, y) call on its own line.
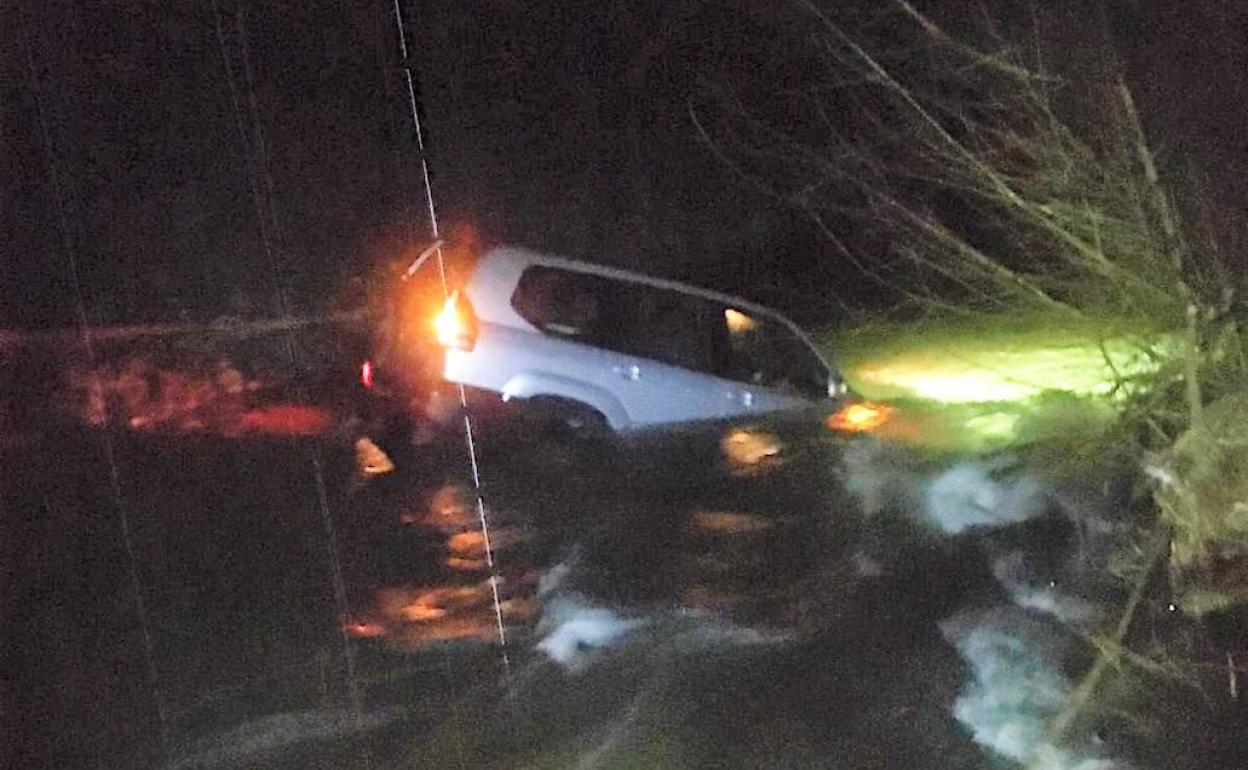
point(974, 373)
point(978, 389)
point(997, 425)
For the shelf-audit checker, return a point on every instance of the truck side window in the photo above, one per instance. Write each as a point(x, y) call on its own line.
point(764, 352)
point(560, 302)
point(631, 318)
point(668, 327)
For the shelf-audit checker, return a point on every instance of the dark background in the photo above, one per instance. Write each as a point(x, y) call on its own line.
point(560, 125)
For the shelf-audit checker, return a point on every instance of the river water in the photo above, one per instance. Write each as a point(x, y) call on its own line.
point(751, 597)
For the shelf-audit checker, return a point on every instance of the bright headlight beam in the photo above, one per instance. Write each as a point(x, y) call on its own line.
point(979, 376)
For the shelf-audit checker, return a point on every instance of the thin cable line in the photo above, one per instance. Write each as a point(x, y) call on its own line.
point(256, 159)
point(106, 441)
point(463, 396)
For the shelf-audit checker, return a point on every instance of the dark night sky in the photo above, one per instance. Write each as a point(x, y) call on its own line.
point(562, 125)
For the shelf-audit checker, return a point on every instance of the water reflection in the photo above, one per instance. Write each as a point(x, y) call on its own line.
point(458, 603)
point(591, 579)
point(214, 397)
point(728, 522)
point(370, 459)
point(418, 616)
point(750, 450)
point(450, 509)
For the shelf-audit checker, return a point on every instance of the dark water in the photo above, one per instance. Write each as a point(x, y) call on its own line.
point(697, 612)
point(232, 591)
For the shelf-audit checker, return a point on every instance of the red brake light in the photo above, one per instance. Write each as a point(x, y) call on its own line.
point(456, 325)
point(366, 374)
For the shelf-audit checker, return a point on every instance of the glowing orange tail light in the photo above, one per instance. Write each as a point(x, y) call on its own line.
point(456, 325)
point(860, 417)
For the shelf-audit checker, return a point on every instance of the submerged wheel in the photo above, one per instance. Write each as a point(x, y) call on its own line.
point(565, 419)
point(573, 431)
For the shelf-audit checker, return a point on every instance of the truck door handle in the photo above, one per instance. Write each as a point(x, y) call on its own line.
point(632, 372)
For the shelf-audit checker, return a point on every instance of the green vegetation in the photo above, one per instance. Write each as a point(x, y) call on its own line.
point(995, 180)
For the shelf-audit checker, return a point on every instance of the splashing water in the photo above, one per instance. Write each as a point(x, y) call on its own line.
point(1017, 686)
point(1043, 596)
point(576, 629)
point(961, 497)
point(967, 495)
point(1014, 651)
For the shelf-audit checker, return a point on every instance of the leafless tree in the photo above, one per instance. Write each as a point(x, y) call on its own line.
point(981, 173)
point(975, 177)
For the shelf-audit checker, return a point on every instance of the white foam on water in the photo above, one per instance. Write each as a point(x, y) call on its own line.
point(553, 578)
point(963, 496)
point(969, 495)
point(1043, 596)
point(573, 629)
point(1017, 686)
point(877, 480)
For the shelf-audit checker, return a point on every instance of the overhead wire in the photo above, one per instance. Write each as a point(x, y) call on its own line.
point(435, 232)
point(264, 200)
point(106, 440)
